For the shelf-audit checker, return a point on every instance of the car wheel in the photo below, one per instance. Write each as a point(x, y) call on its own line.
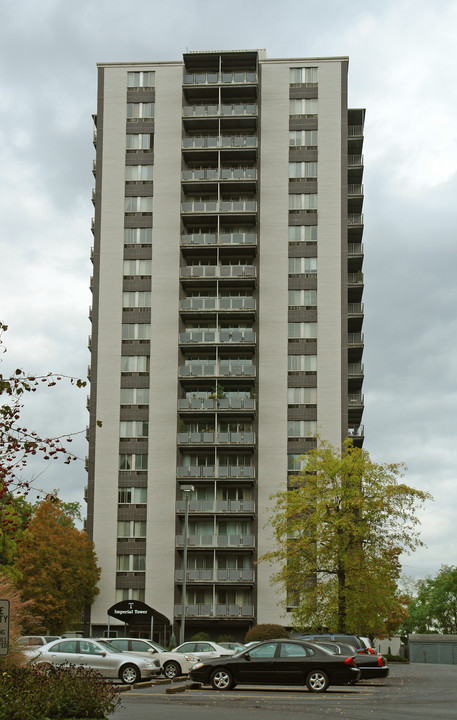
point(129, 674)
point(171, 669)
point(317, 681)
point(221, 679)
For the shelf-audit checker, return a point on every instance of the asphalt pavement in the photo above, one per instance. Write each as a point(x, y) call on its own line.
point(411, 692)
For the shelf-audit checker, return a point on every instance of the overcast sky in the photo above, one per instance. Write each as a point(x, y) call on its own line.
point(402, 70)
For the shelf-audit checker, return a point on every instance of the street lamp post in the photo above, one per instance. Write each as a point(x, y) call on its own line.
point(186, 489)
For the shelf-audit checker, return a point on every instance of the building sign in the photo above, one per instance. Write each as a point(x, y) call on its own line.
point(128, 610)
point(4, 626)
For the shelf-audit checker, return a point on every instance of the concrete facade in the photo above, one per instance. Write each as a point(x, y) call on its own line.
point(226, 321)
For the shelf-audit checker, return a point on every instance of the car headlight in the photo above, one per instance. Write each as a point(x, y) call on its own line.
point(191, 658)
point(197, 666)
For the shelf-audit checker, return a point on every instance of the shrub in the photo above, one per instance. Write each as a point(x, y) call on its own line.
point(20, 619)
point(31, 693)
point(266, 631)
point(201, 636)
point(225, 638)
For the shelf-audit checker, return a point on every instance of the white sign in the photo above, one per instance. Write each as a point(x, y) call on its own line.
point(4, 626)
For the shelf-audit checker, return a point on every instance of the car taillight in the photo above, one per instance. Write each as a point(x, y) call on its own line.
point(380, 661)
point(349, 661)
point(371, 651)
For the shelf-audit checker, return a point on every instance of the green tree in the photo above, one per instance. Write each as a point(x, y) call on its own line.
point(434, 609)
point(339, 531)
point(57, 566)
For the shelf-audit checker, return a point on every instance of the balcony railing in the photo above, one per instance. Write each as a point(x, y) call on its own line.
point(356, 369)
point(216, 110)
point(355, 219)
point(199, 206)
point(355, 248)
point(220, 438)
point(246, 238)
point(221, 575)
point(355, 160)
point(215, 141)
point(216, 303)
point(219, 610)
point(216, 271)
point(214, 78)
point(214, 336)
point(210, 370)
point(355, 278)
point(355, 399)
point(355, 190)
point(355, 339)
point(219, 506)
point(215, 471)
point(237, 540)
point(216, 404)
point(355, 130)
point(355, 309)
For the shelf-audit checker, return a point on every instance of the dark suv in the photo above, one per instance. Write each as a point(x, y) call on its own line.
point(360, 644)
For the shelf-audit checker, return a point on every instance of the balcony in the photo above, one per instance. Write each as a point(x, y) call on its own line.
point(220, 110)
point(217, 369)
point(355, 400)
point(230, 337)
point(355, 278)
point(355, 310)
point(246, 575)
point(355, 339)
point(215, 303)
point(217, 506)
point(356, 370)
point(220, 438)
point(216, 404)
point(219, 610)
point(355, 190)
point(214, 239)
point(214, 78)
point(355, 219)
point(215, 471)
point(212, 206)
point(217, 541)
point(355, 249)
point(355, 161)
point(218, 271)
point(215, 141)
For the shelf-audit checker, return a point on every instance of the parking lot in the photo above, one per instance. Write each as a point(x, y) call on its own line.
point(419, 692)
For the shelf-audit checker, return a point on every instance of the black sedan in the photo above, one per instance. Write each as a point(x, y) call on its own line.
point(278, 662)
point(370, 666)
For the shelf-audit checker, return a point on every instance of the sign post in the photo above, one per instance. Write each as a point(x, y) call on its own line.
point(4, 626)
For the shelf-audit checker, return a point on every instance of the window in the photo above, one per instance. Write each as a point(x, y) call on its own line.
point(142, 204)
point(141, 79)
point(293, 650)
point(304, 106)
point(301, 428)
point(303, 201)
point(131, 528)
point(138, 173)
point(302, 396)
point(140, 110)
point(136, 331)
point(137, 267)
point(134, 396)
point(136, 299)
point(303, 138)
point(302, 363)
point(301, 265)
point(263, 651)
point(133, 495)
point(296, 462)
point(138, 236)
point(131, 563)
point(140, 141)
point(133, 462)
point(135, 363)
point(302, 298)
point(303, 170)
point(303, 330)
point(303, 233)
point(129, 594)
point(133, 428)
point(299, 76)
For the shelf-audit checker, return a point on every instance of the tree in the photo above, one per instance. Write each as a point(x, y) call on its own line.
point(339, 531)
point(21, 621)
point(434, 609)
point(57, 566)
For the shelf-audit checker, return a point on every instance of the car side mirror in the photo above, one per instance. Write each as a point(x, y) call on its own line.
point(152, 651)
point(247, 656)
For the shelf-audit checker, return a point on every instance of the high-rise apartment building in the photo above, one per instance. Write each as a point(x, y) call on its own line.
point(226, 321)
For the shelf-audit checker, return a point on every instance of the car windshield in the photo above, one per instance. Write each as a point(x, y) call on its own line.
point(108, 647)
point(159, 647)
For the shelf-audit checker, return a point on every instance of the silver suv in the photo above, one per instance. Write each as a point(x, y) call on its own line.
point(360, 644)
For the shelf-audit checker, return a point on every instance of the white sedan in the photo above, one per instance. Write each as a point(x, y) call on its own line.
point(203, 649)
point(172, 663)
point(97, 655)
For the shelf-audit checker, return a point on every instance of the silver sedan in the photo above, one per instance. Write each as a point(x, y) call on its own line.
point(97, 655)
